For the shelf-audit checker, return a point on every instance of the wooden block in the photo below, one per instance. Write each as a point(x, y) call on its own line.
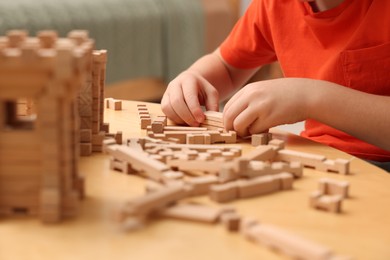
point(286, 180)
point(277, 144)
point(212, 128)
point(143, 113)
point(50, 205)
point(295, 168)
point(173, 140)
point(227, 173)
point(150, 202)
point(213, 115)
point(141, 162)
point(198, 138)
point(191, 139)
point(290, 244)
point(261, 139)
point(182, 128)
point(152, 186)
point(247, 226)
point(201, 185)
point(329, 186)
point(342, 166)
point(180, 135)
point(171, 175)
point(227, 138)
point(105, 127)
point(337, 166)
point(16, 38)
point(107, 143)
point(257, 186)
point(231, 221)
point(136, 143)
point(163, 119)
point(331, 203)
point(85, 122)
point(117, 105)
point(192, 212)
point(145, 122)
point(85, 149)
point(85, 110)
point(78, 36)
point(260, 168)
point(199, 148)
point(214, 153)
point(157, 127)
point(186, 165)
point(224, 192)
point(113, 104)
point(85, 135)
point(97, 139)
point(119, 137)
point(241, 165)
point(307, 159)
point(47, 38)
point(142, 109)
point(261, 153)
point(120, 166)
point(228, 155)
point(206, 123)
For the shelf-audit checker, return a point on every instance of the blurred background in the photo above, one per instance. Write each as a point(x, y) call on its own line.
point(149, 42)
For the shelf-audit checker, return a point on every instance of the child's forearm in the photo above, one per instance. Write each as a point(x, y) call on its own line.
point(359, 114)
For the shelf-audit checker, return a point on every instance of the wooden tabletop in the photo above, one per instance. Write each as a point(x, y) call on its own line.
point(362, 230)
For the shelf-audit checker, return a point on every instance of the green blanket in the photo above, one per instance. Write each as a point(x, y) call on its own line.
point(143, 37)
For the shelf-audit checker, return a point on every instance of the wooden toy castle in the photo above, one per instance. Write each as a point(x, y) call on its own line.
point(51, 97)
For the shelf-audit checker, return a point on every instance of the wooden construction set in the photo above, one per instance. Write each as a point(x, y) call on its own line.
point(180, 163)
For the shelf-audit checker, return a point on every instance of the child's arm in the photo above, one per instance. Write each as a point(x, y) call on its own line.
point(261, 105)
point(206, 82)
point(362, 115)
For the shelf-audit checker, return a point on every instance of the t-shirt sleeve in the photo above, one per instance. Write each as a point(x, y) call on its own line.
point(249, 44)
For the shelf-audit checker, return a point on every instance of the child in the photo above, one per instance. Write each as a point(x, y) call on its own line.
point(335, 55)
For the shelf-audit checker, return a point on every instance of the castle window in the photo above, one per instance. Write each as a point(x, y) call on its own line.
point(19, 114)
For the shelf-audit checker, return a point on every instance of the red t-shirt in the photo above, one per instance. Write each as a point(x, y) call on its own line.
point(348, 45)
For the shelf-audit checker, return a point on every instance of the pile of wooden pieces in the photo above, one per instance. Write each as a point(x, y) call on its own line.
point(329, 195)
point(177, 168)
point(158, 129)
point(213, 121)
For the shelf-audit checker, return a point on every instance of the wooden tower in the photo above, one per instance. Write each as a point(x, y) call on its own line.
point(39, 143)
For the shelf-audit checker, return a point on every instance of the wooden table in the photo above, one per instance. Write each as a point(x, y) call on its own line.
point(361, 231)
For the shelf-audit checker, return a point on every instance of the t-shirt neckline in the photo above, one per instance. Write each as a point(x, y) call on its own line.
point(333, 12)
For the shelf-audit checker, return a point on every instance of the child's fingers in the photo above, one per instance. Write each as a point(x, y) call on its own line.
point(180, 107)
point(169, 111)
point(228, 114)
point(212, 98)
point(258, 126)
point(243, 122)
point(232, 100)
point(191, 98)
point(232, 111)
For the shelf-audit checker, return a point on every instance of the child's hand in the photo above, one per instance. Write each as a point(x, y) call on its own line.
point(184, 96)
point(264, 104)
